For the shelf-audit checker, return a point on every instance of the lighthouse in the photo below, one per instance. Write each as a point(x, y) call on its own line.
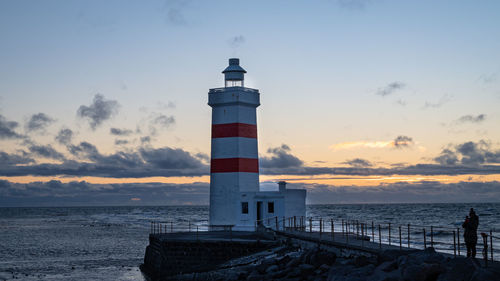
point(235, 196)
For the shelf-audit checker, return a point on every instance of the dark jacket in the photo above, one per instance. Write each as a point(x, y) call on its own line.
point(470, 229)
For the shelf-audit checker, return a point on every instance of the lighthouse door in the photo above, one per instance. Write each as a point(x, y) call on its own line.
point(259, 212)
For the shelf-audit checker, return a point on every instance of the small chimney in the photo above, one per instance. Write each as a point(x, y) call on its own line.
point(282, 186)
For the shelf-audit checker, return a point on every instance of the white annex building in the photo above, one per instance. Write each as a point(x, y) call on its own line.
point(235, 196)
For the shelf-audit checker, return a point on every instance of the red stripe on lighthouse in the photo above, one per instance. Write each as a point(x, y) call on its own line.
point(234, 165)
point(234, 130)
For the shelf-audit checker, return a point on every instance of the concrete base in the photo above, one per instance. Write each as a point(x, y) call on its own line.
point(170, 254)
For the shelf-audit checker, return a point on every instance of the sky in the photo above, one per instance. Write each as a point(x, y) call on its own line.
point(362, 101)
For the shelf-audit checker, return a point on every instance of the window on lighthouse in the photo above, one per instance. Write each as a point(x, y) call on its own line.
point(270, 207)
point(244, 207)
point(234, 83)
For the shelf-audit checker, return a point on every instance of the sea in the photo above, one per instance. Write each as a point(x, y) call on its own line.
point(108, 243)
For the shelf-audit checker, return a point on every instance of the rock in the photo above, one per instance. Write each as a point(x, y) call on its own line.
point(284, 260)
point(485, 275)
point(324, 257)
point(306, 269)
point(460, 269)
point(414, 272)
point(388, 266)
point(324, 268)
point(296, 272)
point(428, 255)
point(422, 272)
point(272, 268)
point(293, 263)
point(390, 255)
point(254, 276)
point(360, 261)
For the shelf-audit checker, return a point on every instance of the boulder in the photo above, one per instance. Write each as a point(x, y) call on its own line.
point(296, 272)
point(324, 257)
point(459, 269)
point(272, 268)
point(360, 261)
point(388, 266)
point(293, 263)
point(306, 270)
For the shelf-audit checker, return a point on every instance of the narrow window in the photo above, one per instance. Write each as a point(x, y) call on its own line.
point(270, 207)
point(244, 207)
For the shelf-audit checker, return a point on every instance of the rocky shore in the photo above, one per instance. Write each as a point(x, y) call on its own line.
point(292, 263)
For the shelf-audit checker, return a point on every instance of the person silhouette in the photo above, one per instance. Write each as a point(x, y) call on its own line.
point(470, 232)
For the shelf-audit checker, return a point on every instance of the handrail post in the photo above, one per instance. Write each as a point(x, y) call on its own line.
point(454, 245)
point(425, 240)
point(389, 233)
point(373, 233)
point(400, 243)
point(320, 226)
point(294, 223)
point(277, 224)
point(362, 235)
point(458, 242)
point(485, 248)
point(196, 232)
point(491, 244)
point(408, 236)
point(333, 231)
point(432, 237)
point(379, 237)
point(342, 227)
point(310, 225)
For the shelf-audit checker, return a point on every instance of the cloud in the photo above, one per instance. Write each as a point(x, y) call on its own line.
point(77, 193)
point(170, 158)
point(236, 41)
point(281, 158)
point(488, 78)
point(99, 111)
point(390, 88)
point(402, 142)
point(469, 153)
point(7, 159)
point(175, 10)
point(447, 157)
point(471, 118)
point(398, 142)
point(120, 132)
point(443, 100)
point(403, 192)
point(121, 142)
point(46, 151)
point(160, 121)
point(7, 129)
point(64, 136)
point(358, 162)
point(38, 122)
point(145, 139)
point(353, 4)
point(164, 120)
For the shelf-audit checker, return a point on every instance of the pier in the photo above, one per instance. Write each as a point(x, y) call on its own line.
point(195, 247)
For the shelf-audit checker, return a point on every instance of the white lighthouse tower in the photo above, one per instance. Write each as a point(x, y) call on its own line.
point(235, 198)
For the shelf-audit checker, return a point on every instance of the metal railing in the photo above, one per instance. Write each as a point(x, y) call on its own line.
point(409, 236)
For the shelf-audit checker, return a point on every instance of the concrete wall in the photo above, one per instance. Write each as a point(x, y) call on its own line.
point(295, 202)
point(166, 257)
